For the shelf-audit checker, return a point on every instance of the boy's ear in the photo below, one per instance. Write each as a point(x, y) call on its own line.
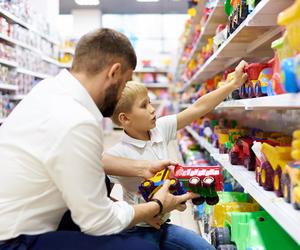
point(123, 118)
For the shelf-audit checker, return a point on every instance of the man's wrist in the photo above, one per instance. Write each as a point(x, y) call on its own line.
point(157, 205)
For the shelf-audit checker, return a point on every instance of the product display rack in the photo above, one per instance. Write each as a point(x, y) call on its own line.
point(217, 16)
point(278, 102)
point(8, 87)
point(250, 40)
point(282, 212)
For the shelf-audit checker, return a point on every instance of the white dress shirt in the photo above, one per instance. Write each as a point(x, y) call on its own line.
point(154, 149)
point(50, 160)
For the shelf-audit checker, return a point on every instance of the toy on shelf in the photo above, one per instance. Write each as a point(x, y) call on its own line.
point(277, 158)
point(253, 71)
point(231, 202)
point(290, 179)
point(247, 230)
point(241, 153)
point(290, 18)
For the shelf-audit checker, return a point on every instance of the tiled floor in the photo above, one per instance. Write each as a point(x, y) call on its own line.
point(185, 218)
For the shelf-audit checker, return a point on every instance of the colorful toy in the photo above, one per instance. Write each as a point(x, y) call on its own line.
point(241, 153)
point(253, 71)
point(290, 18)
point(252, 230)
point(202, 180)
point(277, 158)
point(222, 208)
point(290, 179)
point(150, 186)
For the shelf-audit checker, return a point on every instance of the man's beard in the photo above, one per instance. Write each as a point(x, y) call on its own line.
point(110, 100)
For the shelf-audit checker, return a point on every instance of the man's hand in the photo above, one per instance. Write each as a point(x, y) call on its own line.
point(170, 201)
point(155, 221)
point(239, 77)
point(153, 167)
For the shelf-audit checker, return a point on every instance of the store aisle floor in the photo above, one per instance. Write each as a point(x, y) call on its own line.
point(185, 218)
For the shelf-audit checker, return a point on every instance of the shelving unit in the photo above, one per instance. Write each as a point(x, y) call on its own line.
point(32, 73)
point(17, 97)
point(278, 102)
point(285, 101)
point(6, 86)
point(17, 20)
point(282, 212)
point(156, 85)
point(13, 42)
point(8, 63)
point(250, 40)
point(68, 50)
point(216, 16)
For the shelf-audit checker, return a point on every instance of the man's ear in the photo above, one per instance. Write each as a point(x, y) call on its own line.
point(114, 71)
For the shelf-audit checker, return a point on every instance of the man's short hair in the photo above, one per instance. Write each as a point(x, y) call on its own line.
point(130, 93)
point(100, 48)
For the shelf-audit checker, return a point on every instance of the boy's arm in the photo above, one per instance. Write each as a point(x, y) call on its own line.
point(120, 166)
point(208, 102)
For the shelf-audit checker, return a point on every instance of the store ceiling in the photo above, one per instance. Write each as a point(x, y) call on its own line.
point(129, 7)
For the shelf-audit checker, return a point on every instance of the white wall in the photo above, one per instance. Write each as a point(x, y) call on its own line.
point(85, 21)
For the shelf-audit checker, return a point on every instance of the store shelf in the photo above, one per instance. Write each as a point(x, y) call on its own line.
point(8, 63)
point(17, 20)
point(252, 39)
point(6, 86)
point(68, 50)
point(32, 73)
point(216, 17)
point(157, 85)
point(285, 101)
point(17, 97)
point(25, 46)
point(282, 212)
point(184, 105)
point(51, 60)
point(151, 70)
point(65, 65)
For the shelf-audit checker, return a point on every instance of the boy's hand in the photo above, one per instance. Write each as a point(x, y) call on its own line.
point(155, 166)
point(239, 77)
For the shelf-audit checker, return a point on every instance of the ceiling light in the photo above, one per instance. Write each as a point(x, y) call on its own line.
point(145, 1)
point(87, 2)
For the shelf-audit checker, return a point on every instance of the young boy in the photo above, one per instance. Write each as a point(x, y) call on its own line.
point(147, 138)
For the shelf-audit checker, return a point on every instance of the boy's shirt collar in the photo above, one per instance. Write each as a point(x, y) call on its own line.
point(154, 134)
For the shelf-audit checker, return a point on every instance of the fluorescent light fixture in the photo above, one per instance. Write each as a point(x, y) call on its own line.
point(87, 2)
point(147, 1)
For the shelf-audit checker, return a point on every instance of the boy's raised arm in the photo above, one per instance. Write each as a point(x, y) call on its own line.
point(208, 102)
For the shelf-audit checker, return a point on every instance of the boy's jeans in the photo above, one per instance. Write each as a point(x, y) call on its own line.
point(171, 237)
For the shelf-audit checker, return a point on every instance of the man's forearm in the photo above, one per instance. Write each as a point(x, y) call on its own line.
point(143, 211)
point(122, 166)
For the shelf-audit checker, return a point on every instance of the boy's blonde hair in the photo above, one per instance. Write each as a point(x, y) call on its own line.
point(131, 91)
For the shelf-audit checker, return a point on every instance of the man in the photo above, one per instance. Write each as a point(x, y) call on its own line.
point(50, 156)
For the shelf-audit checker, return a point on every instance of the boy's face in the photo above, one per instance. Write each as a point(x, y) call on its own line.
point(142, 116)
